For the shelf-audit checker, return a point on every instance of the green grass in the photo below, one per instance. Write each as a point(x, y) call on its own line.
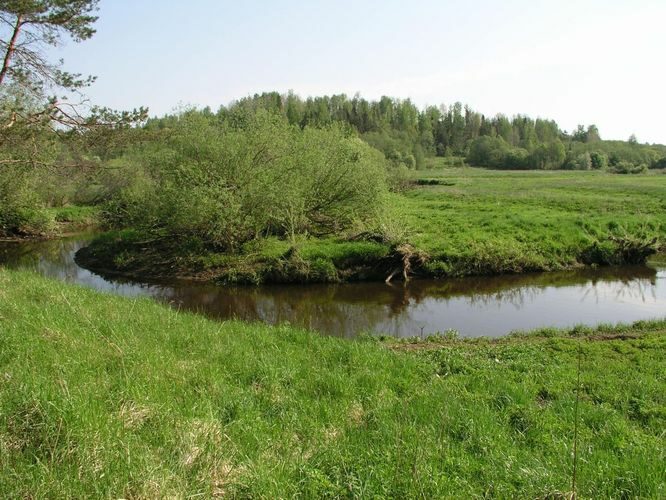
point(468, 221)
point(75, 215)
point(483, 221)
point(434, 162)
point(103, 396)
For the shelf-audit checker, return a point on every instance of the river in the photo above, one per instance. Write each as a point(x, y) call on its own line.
point(479, 306)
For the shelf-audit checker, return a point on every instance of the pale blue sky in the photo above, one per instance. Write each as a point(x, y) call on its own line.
point(585, 61)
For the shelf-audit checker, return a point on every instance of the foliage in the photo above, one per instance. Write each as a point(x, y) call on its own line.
point(31, 79)
point(19, 201)
point(661, 163)
point(494, 152)
point(233, 182)
point(489, 151)
point(40, 170)
point(39, 164)
point(582, 161)
point(625, 167)
point(598, 161)
point(400, 129)
point(32, 24)
point(617, 151)
point(19, 204)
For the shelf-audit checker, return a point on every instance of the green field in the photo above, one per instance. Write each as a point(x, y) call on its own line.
point(102, 396)
point(490, 221)
point(462, 221)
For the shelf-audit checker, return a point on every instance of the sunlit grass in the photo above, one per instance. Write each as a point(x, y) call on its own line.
point(483, 220)
point(103, 396)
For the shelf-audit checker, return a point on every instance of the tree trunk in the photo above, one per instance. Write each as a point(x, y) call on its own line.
point(10, 48)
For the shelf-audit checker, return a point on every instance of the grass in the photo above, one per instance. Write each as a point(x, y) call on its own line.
point(468, 221)
point(45, 223)
point(103, 396)
point(483, 221)
point(436, 162)
point(76, 216)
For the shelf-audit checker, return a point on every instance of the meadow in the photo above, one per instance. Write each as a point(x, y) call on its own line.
point(109, 397)
point(454, 222)
point(103, 396)
point(477, 221)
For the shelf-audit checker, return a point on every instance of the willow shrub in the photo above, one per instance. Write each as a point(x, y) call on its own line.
point(227, 184)
point(21, 206)
point(16, 201)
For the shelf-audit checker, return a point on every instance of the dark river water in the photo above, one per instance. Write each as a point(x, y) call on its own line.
point(482, 306)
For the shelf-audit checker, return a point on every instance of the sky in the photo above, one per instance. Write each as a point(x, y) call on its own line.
point(577, 62)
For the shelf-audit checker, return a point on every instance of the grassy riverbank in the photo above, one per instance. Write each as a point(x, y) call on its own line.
point(55, 222)
point(489, 221)
point(104, 396)
point(457, 221)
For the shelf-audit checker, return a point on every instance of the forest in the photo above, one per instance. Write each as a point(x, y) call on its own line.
point(407, 134)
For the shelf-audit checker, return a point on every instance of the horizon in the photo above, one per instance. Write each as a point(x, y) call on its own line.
point(595, 65)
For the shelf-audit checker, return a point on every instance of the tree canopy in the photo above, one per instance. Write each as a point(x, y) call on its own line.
point(29, 25)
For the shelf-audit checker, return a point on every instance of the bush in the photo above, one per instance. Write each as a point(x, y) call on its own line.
point(599, 161)
point(488, 151)
point(625, 167)
point(548, 155)
point(494, 152)
point(582, 161)
point(517, 158)
point(229, 184)
point(398, 147)
point(20, 208)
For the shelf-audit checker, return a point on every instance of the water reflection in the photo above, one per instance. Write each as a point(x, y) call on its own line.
point(473, 306)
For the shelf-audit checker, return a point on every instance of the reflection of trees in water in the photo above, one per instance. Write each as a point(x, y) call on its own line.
point(52, 257)
point(352, 308)
point(14, 254)
point(516, 297)
point(637, 289)
point(520, 288)
point(317, 308)
point(55, 259)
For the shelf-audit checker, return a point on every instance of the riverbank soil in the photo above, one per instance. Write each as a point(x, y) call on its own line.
point(106, 396)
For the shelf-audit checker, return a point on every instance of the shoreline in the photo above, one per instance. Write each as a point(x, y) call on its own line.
point(115, 257)
point(71, 232)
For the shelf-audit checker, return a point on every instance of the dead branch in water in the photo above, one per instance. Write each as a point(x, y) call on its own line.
point(409, 258)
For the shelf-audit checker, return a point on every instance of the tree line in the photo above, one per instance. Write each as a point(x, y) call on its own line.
point(266, 164)
point(407, 134)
